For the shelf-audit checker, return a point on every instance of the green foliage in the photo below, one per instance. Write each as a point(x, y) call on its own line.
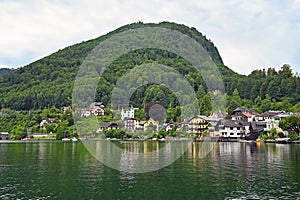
point(4, 71)
point(117, 133)
point(291, 124)
point(140, 114)
point(18, 133)
point(205, 105)
point(294, 137)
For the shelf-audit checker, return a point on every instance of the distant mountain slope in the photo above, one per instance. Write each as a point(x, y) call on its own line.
point(4, 71)
point(49, 81)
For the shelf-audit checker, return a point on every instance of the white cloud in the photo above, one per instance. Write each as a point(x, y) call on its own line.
point(248, 34)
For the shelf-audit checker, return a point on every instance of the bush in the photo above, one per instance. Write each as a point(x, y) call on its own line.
point(294, 137)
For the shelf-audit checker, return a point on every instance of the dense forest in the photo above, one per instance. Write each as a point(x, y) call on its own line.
point(4, 71)
point(48, 82)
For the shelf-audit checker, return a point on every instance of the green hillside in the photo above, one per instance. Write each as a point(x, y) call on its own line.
point(4, 71)
point(48, 82)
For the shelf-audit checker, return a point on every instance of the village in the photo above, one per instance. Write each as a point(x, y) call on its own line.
point(244, 123)
point(241, 124)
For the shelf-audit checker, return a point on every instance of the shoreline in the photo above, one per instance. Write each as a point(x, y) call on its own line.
point(211, 140)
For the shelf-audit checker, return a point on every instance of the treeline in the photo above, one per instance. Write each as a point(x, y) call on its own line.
point(21, 124)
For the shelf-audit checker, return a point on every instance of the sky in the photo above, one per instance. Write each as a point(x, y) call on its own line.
point(249, 35)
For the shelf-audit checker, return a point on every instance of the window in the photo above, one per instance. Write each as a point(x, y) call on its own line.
point(231, 133)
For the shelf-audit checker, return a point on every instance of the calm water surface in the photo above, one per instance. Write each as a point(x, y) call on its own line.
point(57, 170)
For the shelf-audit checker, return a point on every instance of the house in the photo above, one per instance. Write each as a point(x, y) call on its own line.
point(151, 124)
point(46, 121)
point(97, 104)
point(183, 125)
point(243, 114)
point(213, 128)
point(65, 108)
point(272, 124)
point(255, 129)
point(127, 113)
point(108, 126)
point(4, 135)
point(133, 124)
point(95, 110)
point(169, 126)
point(231, 129)
point(198, 124)
point(281, 116)
point(219, 114)
point(85, 113)
point(140, 125)
point(267, 116)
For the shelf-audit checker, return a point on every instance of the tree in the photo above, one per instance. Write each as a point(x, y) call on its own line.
point(18, 133)
point(266, 103)
point(291, 124)
point(205, 105)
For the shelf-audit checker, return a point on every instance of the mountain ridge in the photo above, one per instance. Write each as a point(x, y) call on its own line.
point(48, 81)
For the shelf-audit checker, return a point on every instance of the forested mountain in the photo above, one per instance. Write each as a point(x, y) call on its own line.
point(4, 71)
point(48, 82)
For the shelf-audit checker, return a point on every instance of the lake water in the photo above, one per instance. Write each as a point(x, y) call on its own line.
point(57, 170)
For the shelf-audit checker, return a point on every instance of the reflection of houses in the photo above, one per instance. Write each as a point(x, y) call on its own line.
point(151, 124)
point(4, 135)
point(231, 129)
point(243, 114)
point(46, 121)
point(108, 126)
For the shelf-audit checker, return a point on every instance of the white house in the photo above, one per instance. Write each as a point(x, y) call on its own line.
point(231, 129)
point(4, 135)
point(95, 110)
point(127, 113)
point(133, 124)
point(46, 121)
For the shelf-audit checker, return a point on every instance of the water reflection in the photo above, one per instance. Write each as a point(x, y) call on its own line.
point(136, 156)
point(228, 171)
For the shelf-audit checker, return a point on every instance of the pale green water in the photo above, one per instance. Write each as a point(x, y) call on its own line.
point(56, 170)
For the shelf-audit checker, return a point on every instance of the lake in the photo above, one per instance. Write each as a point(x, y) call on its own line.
point(58, 170)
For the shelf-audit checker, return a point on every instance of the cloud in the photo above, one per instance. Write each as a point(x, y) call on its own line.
point(249, 34)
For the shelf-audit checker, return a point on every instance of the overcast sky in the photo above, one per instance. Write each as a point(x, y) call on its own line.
point(249, 34)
